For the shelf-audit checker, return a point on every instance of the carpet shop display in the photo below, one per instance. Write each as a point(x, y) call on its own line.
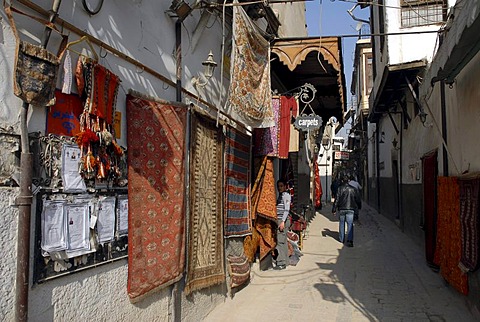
point(156, 196)
point(205, 266)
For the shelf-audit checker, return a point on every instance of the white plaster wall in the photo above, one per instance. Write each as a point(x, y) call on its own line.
point(293, 20)
point(463, 116)
point(372, 157)
point(8, 253)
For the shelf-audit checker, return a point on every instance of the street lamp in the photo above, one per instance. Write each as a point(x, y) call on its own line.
point(209, 67)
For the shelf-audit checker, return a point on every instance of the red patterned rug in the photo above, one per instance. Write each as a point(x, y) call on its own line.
point(156, 215)
point(238, 222)
point(449, 240)
point(205, 241)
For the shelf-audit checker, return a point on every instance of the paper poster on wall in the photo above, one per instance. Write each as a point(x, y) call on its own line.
point(53, 226)
point(122, 215)
point(72, 180)
point(106, 219)
point(77, 216)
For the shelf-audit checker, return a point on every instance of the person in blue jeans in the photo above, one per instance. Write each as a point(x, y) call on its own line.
point(347, 203)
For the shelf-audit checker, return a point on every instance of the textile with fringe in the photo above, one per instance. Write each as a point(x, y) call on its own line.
point(205, 266)
point(156, 215)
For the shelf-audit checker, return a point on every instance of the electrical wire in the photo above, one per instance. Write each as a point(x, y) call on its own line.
point(320, 38)
point(371, 3)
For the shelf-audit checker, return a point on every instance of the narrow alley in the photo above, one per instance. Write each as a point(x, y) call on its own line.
point(384, 277)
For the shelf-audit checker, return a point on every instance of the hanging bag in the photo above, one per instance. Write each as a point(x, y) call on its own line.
point(36, 69)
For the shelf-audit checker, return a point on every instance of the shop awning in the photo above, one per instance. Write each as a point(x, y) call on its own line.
point(317, 61)
point(393, 86)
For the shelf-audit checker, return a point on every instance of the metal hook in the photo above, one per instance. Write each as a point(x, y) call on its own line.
point(100, 53)
point(139, 70)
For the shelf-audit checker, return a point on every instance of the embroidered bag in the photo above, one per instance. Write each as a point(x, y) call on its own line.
point(36, 68)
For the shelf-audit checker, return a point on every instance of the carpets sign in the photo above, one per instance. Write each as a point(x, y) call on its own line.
point(308, 122)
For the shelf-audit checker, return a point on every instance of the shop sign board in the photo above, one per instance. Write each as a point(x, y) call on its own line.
point(308, 122)
point(342, 155)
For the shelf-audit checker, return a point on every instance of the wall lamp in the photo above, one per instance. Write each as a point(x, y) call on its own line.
point(382, 138)
point(180, 9)
point(208, 69)
point(423, 116)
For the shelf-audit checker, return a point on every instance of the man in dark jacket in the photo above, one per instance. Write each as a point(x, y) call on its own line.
point(347, 202)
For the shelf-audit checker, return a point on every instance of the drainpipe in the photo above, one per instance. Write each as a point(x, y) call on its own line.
point(24, 201)
point(178, 51)
point(377, 143)
point(444, 127)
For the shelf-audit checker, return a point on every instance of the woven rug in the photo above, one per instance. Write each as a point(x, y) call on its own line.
point(250, 99)
point(205, 246)
point(156, 216)
point(264, 211)
point(266, 140)
point(238, 220)
point(449, 242)
point(264, 198)
point(469, 198)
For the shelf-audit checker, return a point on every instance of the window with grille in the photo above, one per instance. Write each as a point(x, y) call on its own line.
point(423, 12)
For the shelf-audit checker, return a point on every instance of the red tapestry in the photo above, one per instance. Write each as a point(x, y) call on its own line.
point(288, 108)
point(318, 186)
point(156, 216)
point(448, 250)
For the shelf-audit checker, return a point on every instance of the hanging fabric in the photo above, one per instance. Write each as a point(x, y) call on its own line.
point(265, 140)
point(250, 96)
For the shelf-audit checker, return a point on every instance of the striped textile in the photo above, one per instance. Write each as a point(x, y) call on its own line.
point(237, 221)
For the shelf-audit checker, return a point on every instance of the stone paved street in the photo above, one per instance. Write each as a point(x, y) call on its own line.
point(382, 278)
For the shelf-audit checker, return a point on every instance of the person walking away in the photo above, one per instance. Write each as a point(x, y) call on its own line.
point(284, 201)
point(357, 186)
point(347, 201)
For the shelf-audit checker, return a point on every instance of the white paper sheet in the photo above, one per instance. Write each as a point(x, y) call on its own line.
point(106, 219)
point(122, 215)
point(72, 180)
point(53, 226)
point(78, 227)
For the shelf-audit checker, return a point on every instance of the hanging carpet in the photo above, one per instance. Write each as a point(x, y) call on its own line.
point(238, 221)
point(469, 207)
point(156, 215)
point(205, 241)
point(250, 96)
point(264, 211)
point(449, 242)
point(266, 139)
